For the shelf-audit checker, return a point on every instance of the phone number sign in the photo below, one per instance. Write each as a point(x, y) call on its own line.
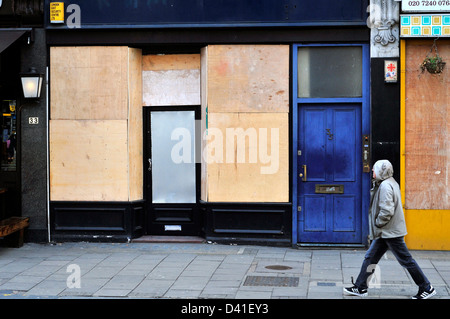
point(426, 5)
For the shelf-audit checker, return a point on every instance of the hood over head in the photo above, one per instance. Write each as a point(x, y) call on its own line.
point(383, 170)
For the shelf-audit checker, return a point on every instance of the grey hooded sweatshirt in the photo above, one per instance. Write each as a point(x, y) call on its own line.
point(386, 218)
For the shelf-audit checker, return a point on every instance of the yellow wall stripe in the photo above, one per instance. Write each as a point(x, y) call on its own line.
point(402, 117)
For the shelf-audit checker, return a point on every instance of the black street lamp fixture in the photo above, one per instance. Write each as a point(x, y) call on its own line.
point(32, 84)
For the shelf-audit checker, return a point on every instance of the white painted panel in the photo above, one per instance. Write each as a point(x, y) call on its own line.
point(171, 87)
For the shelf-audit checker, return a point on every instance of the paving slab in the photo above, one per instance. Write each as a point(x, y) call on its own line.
point(204, 271)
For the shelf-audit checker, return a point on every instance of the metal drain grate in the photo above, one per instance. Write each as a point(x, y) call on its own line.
point(250, 251)
point(323, 283)
point(271, 281)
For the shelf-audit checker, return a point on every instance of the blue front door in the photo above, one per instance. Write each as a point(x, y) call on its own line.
point(329, 173)
point(331, 114)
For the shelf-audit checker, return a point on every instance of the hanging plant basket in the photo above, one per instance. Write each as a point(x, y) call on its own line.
point(433, 64)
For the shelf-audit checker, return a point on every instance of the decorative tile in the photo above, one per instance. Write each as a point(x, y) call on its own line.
point(446, 31)
point(415, 20)
point(446, 20)
point(416, 31)
point(437, 20)
point(425, 25)
point(426, 30)
point(406, 31)
point(405, 20)
point(437, 31)
point(426, 20)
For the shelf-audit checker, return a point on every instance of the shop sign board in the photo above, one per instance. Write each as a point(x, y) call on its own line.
point(426, 5)
point(95, 14)
point(56, 12)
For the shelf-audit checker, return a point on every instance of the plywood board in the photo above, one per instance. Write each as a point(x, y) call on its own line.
point(135, 130)
point(248, 78)
point(164, 62)
point(89, 83)
point(88, 160)
point(427, 125)
point(253, 167)
point(93, 89)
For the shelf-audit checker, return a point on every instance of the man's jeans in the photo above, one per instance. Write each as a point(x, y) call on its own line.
point(398, 247)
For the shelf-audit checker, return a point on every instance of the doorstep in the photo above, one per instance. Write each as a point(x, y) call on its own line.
point(169, 239)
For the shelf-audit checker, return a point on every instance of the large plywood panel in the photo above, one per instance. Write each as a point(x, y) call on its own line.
point(248, 157)
point(248, 78)
point(88, 160)
point(89, 83)
point(135, 117)
point(427, 126)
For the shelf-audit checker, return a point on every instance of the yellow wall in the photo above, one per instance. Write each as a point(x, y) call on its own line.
point(428, 229)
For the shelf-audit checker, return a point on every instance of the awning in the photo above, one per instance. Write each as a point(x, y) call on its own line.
point(8, 37)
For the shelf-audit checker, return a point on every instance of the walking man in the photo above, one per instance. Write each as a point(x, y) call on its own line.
point(387, 228)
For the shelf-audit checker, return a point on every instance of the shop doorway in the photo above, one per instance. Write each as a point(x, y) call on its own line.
point(172, 173)
point(330, 118)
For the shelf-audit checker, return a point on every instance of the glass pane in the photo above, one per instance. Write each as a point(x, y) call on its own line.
point(173, 157)
point(329, 72)
point(9, 136)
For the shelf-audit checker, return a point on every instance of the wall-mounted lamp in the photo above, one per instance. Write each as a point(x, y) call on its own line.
point(32, 84)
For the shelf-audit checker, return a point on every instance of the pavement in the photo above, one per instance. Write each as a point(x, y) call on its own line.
point(203, 271)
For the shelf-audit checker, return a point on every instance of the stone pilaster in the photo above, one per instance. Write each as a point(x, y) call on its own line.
point(384, 23)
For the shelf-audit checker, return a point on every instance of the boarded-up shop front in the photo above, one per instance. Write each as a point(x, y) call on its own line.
point(183, 125)
point(425, 145)
point(115, 116)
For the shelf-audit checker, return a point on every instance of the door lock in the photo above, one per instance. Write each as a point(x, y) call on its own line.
point(366, 153)
point(303, 175)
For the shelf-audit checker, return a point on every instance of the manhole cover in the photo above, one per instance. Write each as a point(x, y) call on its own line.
point(271, 281)
point(278, 267)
